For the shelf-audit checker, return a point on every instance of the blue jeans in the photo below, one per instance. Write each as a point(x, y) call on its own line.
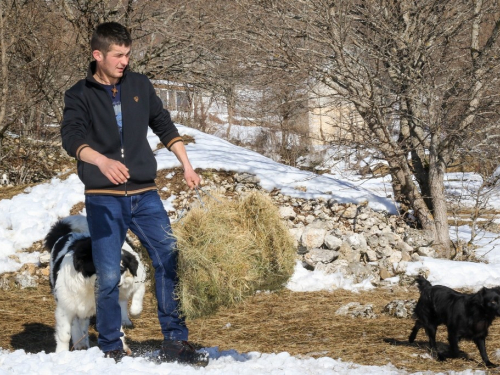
point(109, 218)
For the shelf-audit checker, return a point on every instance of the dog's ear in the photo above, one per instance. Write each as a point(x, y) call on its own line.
point(130, 262)
point(478, 297)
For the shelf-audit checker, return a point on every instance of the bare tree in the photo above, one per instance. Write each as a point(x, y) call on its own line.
point(9, 108)
point(422, 75)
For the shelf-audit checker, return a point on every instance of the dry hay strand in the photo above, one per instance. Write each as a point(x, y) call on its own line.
point(230, 249)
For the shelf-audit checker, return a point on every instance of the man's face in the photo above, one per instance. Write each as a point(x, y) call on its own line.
point(114, 62)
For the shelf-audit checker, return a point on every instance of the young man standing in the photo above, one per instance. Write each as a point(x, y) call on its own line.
point(105, 123)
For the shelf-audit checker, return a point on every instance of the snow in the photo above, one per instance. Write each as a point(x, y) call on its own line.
point(226, 362)
point(27, 217)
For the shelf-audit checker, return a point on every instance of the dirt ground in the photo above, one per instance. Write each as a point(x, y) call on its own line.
point(303, 324)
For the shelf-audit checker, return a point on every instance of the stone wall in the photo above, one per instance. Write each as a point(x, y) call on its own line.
point(329, 236)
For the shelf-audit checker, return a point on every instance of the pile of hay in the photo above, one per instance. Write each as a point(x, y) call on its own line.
point(230, 249)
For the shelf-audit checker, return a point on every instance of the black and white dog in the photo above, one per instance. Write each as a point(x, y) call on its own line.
point(467, 316)
point(72, 279)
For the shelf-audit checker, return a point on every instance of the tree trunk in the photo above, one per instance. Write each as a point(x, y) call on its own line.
point(437, 170)
point(231, 104)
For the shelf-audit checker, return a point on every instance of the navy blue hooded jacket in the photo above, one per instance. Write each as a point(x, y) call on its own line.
point(89, 120)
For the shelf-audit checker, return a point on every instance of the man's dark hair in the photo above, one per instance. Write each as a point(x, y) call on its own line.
point(109, 33)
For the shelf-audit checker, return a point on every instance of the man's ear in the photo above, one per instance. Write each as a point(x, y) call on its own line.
point(98, 55)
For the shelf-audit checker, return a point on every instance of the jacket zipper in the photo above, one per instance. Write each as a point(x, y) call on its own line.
point(123, 158)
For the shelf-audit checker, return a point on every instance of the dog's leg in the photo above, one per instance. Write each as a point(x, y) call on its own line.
point(481, 345)
point(431, 333)
point(80, 333)
point(414, 331)
point(63, 329)
point(126, 349)
point(137, 299)
point(125, 319)
point(453, 341)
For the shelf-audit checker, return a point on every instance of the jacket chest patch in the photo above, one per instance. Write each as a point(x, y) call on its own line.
point(136, 98)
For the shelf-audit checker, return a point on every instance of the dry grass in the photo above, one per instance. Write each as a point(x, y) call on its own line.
point(230, 249)
point(9, 192)
point(303, 324)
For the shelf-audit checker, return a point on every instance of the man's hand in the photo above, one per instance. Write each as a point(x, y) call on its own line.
point(192, 178)
point(115, 171)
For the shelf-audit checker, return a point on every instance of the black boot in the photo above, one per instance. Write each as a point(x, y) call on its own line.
point(117, 355)
point(182, 352)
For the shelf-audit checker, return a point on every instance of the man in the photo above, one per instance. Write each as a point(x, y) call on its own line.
point(106, 119)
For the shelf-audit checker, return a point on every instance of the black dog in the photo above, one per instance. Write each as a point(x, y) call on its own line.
point(467, 316)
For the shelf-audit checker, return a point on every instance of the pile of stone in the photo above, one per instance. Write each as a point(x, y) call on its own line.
point(28, 276)
point(357, 310)
point(355, 240)
point(333, 237)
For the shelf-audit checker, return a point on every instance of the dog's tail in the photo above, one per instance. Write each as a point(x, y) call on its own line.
point(423, 283)
point(75, 223)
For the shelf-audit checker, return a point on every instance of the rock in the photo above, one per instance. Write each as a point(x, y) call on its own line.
point(246, 178)
point(356, 310)
point(405, 256)
point(426, 251)
point(349, 254)
point(385, 274)
point(415, 257)
point(388, 238)
point(357, 241)
point(385, 252)
point(320, 256)
point(332, 242)
point(45, 258)
point(25, 280)
point(360, 271)
point(400, 267)
point(363, 216)
point(310, 219)
point(313, 237)
point(287, 213)
point(373, 241)
point(339, 265)
point(29, 269)
point(350, 212)
point(404, 247)
point(372, 255)
point(402, 309)
point(296, 233)
point(45, 271)
point(395, 257)
point(240, 188)
point(418, 238)
point(6, 282)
